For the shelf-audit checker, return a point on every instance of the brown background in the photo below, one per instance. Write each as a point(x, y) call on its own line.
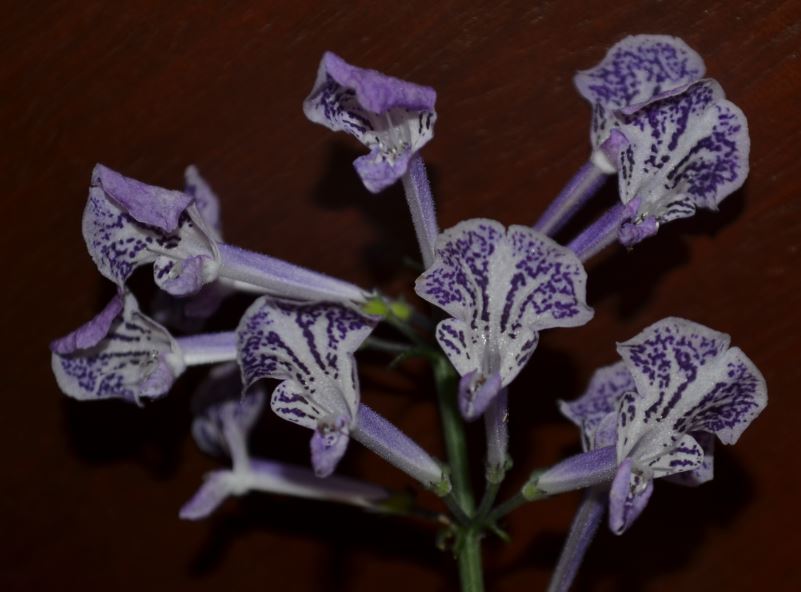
point(90, 493)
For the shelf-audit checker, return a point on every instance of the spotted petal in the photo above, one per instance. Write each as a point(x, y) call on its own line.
point(392, 117)
point(607, 386)
point(685, 152)
point(703, 472)
point(635, 71)
point(127, 224)
point(685, 455)
point(501, 287)
point(121, 353)
point(688, 381)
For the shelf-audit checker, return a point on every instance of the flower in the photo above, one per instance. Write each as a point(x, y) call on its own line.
point(122, 353)
point(686, 151)
point(188, 313)
point(310, 347)
point(635, 71)
point(685, 385)
point(392, 117)
point(500, 287)
point(221, 427)
point(127, 224)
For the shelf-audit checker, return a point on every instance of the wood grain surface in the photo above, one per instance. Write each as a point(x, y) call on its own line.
point(90, 492)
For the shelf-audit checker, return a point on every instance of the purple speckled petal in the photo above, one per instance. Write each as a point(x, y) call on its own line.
point(669, 361)
point(133, 358)
point(633, 72)
point(127, 224)
point(600, 399)
point(328, 445)
point(207, 202)
point(501, 287)
point(392, 117)
point(703, 472)
point(628, 497)
point(686, 455)
point(290, 403)
point(685, 152)
point(729, 397)
point(311, 345)
point(687, 381)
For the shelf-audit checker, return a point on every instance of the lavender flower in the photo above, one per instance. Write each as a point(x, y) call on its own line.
point(635, 71)
point(501, 287)
point(310, 347)
point(128, 224)
point(687, 382)
point(392, 117)
point(124, 354)
point(221, 428)
point(685, 151)
point(188, 313)
point(678, 144)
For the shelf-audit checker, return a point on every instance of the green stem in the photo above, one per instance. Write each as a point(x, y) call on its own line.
point(453, 428)
point(469, 558)
point(489, 498)
point(456, 509)
point(504, 508)
point(468, 549)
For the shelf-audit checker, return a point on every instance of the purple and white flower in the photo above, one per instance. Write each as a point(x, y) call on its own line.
point(685, 151)
point(501, 287)
point(187, 313)
point(221, 428)
point(127, 224)
point(653, 414)
point(122, 353)
point(391, 117)
point(635, 71)
point(678, 143)
point(684, 385)
point(310, 347)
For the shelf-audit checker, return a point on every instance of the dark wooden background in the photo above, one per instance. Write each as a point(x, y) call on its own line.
point(89, 493)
